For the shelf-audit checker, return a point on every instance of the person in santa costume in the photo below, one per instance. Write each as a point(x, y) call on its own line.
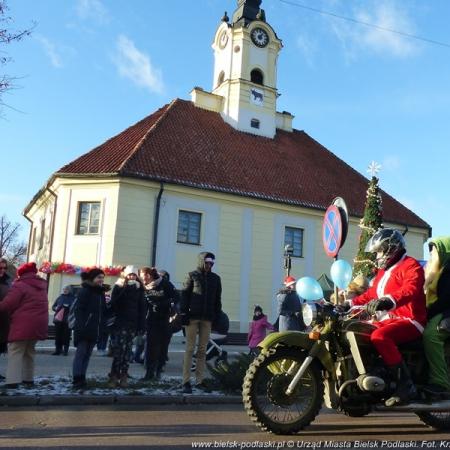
point(396, 300)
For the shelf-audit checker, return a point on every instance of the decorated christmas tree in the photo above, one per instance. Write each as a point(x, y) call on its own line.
point(369, 224)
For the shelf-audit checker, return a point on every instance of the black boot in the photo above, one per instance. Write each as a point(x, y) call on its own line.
point(405, 390)
point(149, 374)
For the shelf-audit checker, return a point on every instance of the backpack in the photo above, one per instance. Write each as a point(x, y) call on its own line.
point(71, 319)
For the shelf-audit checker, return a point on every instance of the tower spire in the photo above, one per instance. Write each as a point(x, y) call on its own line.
point(248, 11)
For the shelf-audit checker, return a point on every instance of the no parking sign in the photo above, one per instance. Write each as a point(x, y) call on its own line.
point(335, 227)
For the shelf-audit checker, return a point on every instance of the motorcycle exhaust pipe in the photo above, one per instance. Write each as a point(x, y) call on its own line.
point(443, 405)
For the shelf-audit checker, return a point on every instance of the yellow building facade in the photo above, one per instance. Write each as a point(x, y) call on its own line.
point(246, 235)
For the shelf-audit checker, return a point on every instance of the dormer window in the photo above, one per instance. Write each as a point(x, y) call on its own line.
point(257, 77)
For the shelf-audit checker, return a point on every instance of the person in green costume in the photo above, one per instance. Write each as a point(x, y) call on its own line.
point(437, 331)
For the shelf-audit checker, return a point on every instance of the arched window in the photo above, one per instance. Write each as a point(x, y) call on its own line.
point(256, 76)
point(221, 78)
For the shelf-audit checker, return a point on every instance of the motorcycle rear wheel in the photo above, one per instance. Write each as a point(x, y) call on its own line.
point(264, 388)
point(439, 420)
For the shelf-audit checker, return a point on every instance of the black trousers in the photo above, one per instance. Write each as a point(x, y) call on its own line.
point(62, 336)
point(157, 345)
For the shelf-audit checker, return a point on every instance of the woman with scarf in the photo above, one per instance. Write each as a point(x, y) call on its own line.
point(159, 294)
point(128, 304)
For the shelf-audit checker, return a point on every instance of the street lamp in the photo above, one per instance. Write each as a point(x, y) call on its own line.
point(288, 252)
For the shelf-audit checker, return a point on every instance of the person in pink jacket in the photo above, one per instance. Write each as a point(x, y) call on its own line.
point(27, 305)
point(258, 328)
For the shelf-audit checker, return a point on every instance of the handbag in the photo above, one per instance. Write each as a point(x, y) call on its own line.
point(59, 316)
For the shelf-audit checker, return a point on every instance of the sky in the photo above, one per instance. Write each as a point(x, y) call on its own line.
point(91, 68)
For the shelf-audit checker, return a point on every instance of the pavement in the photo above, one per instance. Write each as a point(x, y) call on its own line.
point(53, 375)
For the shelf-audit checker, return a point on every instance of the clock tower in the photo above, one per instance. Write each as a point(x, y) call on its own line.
point(245, 70)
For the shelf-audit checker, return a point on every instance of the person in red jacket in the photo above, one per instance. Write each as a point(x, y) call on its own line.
point(27, 305)
point(396, 300)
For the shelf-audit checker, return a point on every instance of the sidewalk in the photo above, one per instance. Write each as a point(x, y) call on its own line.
point(53, 382)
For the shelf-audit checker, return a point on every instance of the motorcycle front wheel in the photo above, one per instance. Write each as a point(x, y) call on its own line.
point(264, 391)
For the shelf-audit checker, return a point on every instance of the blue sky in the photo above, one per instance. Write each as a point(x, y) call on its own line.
point(94, 67)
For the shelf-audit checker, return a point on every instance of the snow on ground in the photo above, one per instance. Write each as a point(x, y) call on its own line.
point(61, 385)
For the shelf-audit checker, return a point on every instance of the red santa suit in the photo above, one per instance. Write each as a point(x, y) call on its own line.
point(403, 284)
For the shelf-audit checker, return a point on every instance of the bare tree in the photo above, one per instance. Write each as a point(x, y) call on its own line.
point(7, 36)
point(11, 247)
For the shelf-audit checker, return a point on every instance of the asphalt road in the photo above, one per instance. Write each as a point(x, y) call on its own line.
point(183, 427)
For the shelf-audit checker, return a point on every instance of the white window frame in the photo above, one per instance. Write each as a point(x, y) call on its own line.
point(302, 230)
point(78, 223)
point(197, 213)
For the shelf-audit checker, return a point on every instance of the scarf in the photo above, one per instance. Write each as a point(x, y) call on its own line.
point(153, 284)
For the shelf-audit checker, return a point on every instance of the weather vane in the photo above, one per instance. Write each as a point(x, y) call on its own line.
point(374, 168)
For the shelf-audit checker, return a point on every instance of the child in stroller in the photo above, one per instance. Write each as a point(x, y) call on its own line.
point(218, 337)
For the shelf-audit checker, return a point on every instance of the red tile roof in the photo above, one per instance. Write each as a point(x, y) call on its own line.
point(183, 144)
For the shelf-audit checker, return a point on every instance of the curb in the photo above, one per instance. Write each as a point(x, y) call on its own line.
point(76, 400)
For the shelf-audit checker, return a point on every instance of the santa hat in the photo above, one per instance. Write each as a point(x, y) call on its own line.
point(289, 281)
point(27, 268)
point(129, 270)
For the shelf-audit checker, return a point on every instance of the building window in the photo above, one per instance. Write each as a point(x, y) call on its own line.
point(257, 77)
point(294, 237)
point(42, 235)
point(189, 227)
point(221, 78)
point(88, 218)
point(33, 241)
point(254, 123)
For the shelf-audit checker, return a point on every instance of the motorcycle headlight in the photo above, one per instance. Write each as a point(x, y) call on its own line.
point(309, 313)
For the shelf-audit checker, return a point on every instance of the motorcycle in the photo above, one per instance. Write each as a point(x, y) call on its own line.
point(335, 363)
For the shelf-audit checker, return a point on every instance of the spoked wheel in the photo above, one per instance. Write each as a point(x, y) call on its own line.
point(264, 391)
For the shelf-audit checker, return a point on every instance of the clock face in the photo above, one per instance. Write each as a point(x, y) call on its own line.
point(223, 39)
point(260, 37)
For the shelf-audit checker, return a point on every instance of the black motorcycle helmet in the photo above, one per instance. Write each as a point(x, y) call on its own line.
point(390, 243)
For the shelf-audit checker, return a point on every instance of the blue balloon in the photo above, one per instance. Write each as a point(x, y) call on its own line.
point(341, 273)
point(309, 289)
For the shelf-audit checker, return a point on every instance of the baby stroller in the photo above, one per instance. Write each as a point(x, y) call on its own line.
point(218, 337)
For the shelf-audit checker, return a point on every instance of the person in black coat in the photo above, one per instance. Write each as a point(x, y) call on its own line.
point(200, 305)
point(128, 305)
point(289, 307)
point(159, 294)
point(61, 307)
point(89, 309)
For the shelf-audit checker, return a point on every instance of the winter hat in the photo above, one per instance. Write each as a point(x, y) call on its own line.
point(129, 270)
point(91, 274)
point(26, 268)
point(289, 281)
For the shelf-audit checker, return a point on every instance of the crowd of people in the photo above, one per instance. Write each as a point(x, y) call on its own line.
point(405, 301)
point(143, 307)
